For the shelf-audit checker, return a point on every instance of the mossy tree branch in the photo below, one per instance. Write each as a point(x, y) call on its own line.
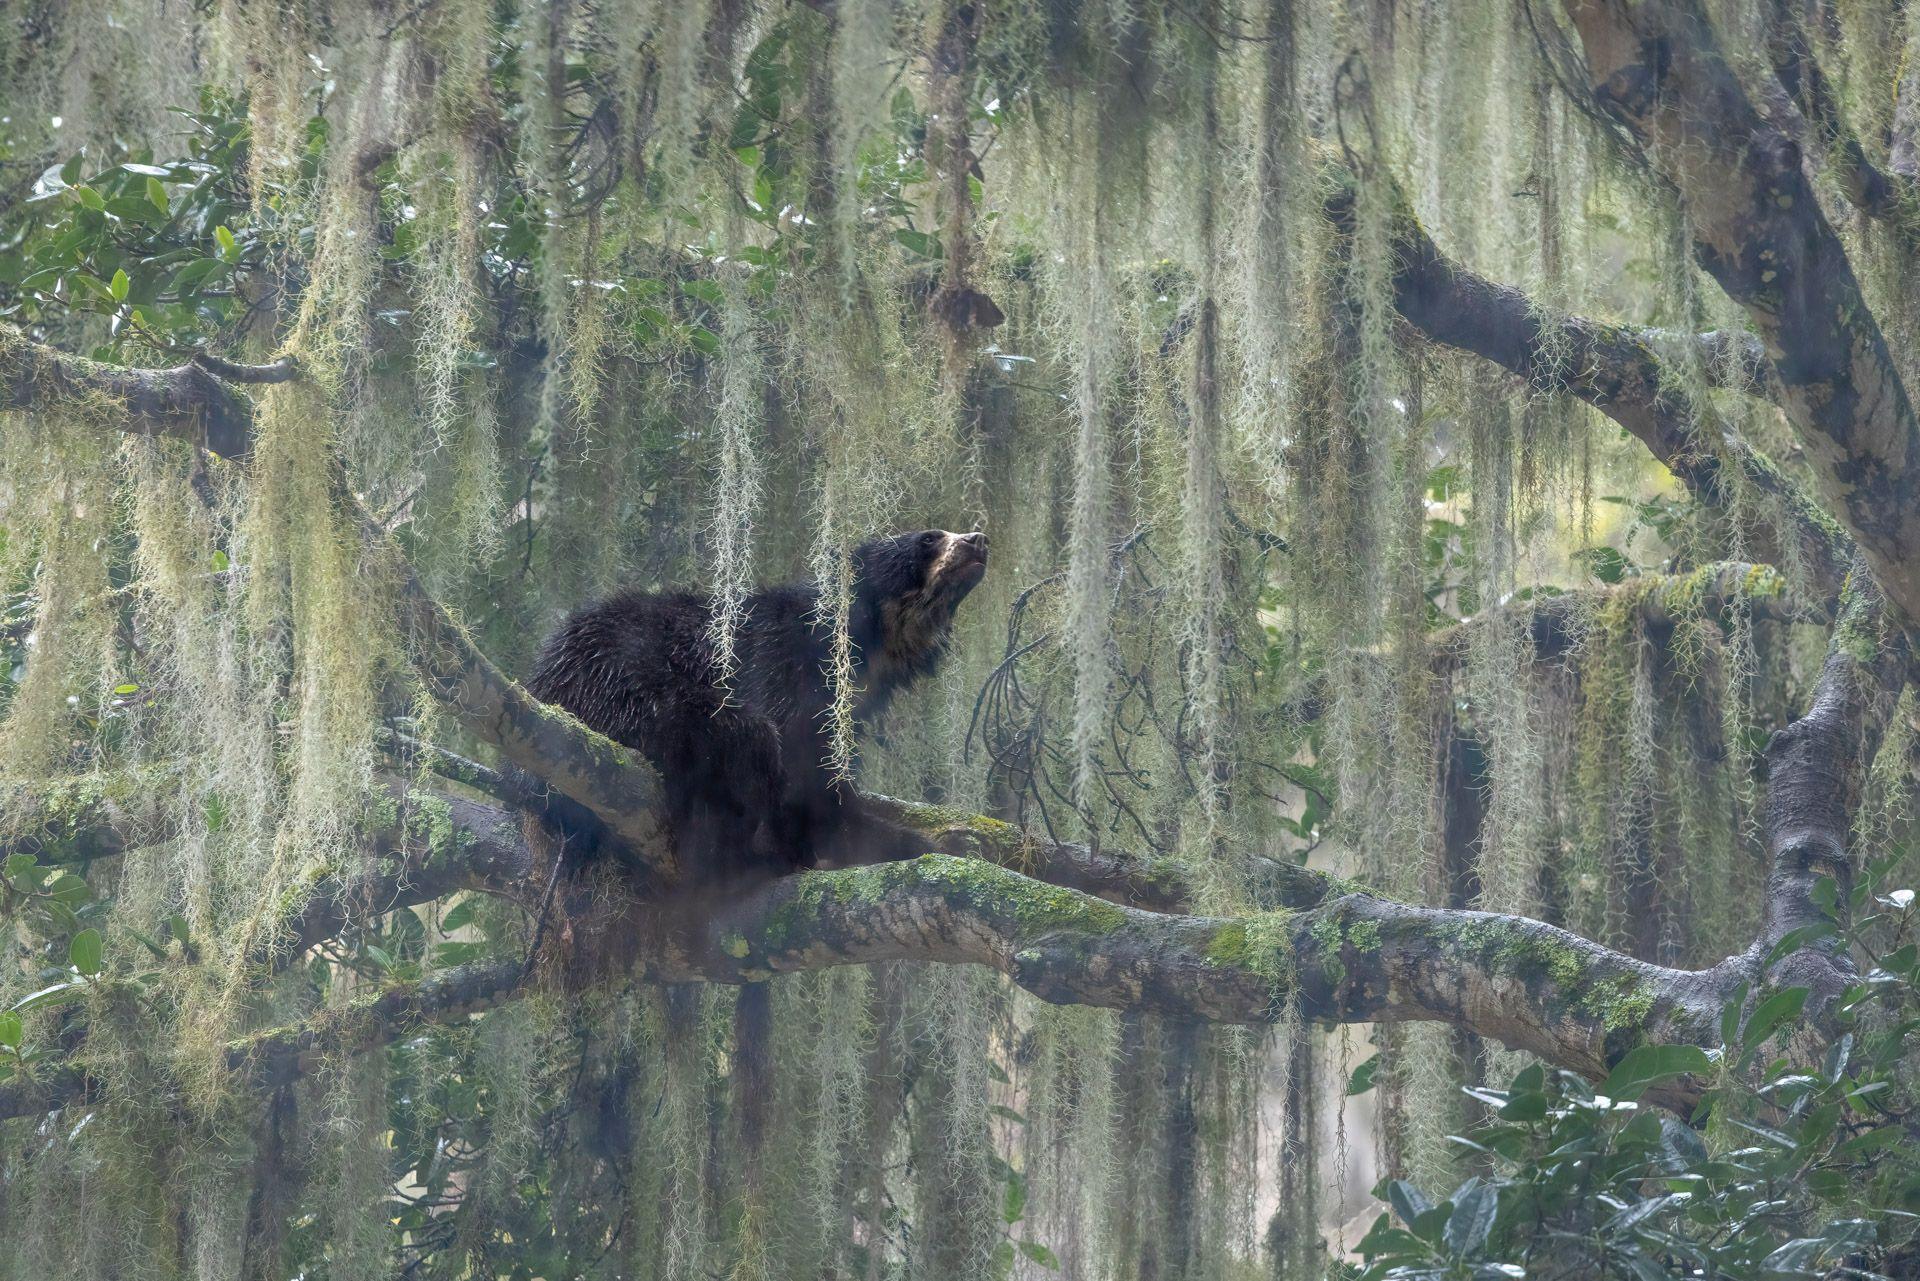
point(191, 402)
point(617, 785)
point(1817, 771)
point(1658, 71)
point(1353, 957)
point(1624, 372)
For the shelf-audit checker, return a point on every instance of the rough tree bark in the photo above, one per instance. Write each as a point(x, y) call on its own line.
point(1656, 68)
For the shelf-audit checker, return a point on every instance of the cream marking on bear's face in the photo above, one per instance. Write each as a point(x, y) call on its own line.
point(914, 624)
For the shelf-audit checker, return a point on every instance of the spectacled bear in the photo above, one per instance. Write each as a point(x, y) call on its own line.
point(745, 762)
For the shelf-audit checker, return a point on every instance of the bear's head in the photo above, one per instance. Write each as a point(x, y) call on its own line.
point(906, 589)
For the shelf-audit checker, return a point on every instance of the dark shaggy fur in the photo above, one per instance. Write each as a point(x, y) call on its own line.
point(744, 765)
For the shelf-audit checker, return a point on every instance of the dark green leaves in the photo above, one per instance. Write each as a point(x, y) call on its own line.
point(1648, 1065)
point(86, 952)
point(1767, 1018)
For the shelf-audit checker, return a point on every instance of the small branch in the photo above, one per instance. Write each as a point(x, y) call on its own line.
point(438, 844)
point(450, 765)
point(283, 370)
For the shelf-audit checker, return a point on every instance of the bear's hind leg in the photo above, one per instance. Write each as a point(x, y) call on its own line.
point(732, 801)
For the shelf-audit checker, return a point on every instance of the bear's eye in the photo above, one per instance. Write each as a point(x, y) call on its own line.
point(929, 538)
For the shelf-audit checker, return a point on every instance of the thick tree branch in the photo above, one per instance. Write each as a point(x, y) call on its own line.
point(1663, 601)
point(1817, 771)
point(187, 402)
point(1877, 193)
point(1352, 958)
point(615, 783)
point(1656, 67)
point(1621, 371)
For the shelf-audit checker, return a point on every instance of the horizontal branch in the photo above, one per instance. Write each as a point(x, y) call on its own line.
point(190, 402)
point(1710, 592)
point(1353, 958)
point(281, 1055)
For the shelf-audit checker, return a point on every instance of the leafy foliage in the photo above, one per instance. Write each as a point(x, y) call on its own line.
point(1809, 1170)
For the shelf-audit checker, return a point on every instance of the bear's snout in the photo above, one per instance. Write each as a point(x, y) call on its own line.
point(962, 562)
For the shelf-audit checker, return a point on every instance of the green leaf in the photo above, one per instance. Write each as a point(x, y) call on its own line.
point(1013, 1206)
point(119, 285)
point(382, 957)
point(1796, 1256)
point(704, 290)
point(1407, 1201)
point(195, 272)
point(1475, 1206)
point(11, 1030)
point(220, 561)
point(1826, 896)
point(90, 198)
point(129, 688)
point(94, 285)
point(1606, 563)
point(157, 195)
point(86, 952)
point(1041, 1255)
point(48, 997)
point(1730, 1014)
point(458, 916)
point(1770, 1014)
point(1362, 1078)
point(69, 889)
point(922, 243)
point(458, 953)
point(148, 941)
point(133, 209)
point(177, 926)
point(1644, 1065)
point(229, 248)
point(1872, 1141)
point(1795, 939)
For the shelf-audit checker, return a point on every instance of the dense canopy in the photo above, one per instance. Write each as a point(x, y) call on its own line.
point(1438, 712)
